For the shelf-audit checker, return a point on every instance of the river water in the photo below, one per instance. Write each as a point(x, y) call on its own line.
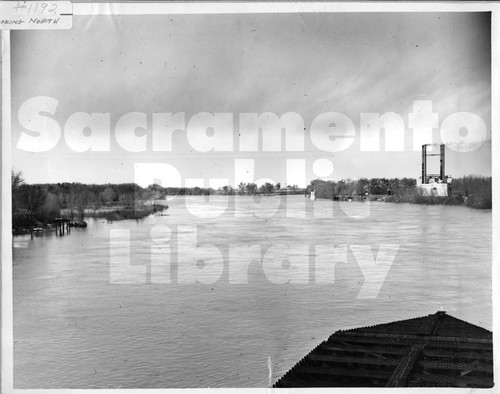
point(86, 318)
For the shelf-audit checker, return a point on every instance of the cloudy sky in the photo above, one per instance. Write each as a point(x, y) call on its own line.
point(309, 64)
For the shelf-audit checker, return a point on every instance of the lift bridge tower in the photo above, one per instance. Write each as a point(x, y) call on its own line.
point(434, 184)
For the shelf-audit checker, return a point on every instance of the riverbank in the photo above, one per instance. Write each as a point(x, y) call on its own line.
point(21, 224)
point(55, 226)
point(470, 191)
point(35, 207)
point(478, 202)
point(124, 212)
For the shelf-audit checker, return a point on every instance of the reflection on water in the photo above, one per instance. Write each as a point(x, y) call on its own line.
point(75, 329)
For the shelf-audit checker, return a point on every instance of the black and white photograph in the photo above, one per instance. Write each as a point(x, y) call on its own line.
point(237, 195)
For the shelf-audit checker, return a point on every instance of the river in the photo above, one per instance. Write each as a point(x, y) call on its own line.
point(85, 318)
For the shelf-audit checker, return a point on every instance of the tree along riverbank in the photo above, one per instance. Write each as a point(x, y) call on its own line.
point(471, 191)
point(36, 207)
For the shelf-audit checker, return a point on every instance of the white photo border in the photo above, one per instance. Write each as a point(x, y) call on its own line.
point(192, 8)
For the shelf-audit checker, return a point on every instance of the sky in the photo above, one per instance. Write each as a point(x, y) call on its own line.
point(308, 64)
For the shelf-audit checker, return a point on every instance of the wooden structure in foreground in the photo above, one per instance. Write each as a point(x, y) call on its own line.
point(432, 351)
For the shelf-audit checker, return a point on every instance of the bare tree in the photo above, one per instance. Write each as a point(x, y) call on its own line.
point(32, 198)
point(17, 180)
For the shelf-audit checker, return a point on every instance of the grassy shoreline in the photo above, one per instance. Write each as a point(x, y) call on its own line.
point(123, 212)
point(468, 202)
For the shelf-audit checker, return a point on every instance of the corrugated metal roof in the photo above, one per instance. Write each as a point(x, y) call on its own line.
point(437, 350)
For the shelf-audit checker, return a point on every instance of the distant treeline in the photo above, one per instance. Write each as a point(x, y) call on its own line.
point(39, 204)
point(472, 191)
point(242, 189)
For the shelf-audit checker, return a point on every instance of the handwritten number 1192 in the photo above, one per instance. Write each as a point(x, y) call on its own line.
point(26, 7)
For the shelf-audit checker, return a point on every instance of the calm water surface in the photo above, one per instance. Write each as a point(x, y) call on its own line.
point(73, 328)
